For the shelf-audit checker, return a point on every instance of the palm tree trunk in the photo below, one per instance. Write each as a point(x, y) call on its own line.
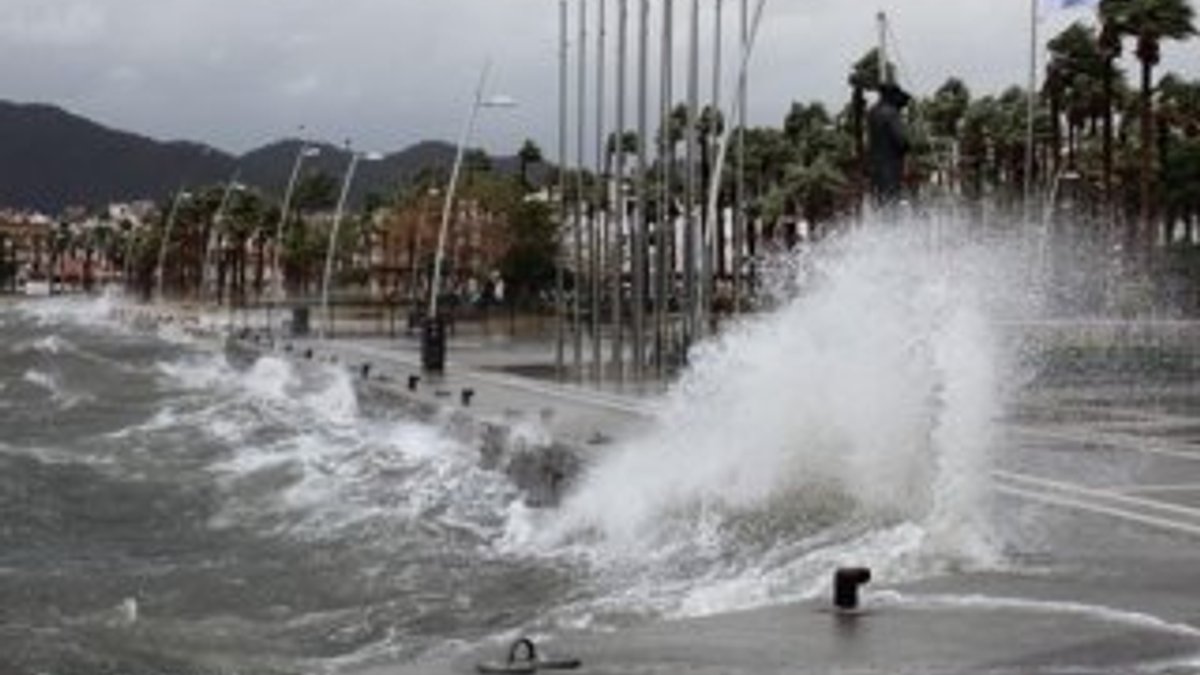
point(1147, 160)
point(858, 106)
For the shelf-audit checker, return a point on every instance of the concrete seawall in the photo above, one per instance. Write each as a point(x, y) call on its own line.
point(537, 433)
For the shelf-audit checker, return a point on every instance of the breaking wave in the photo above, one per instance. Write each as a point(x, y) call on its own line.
point(851, 425)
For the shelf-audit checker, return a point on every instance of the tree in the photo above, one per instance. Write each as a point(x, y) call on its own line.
point(1075, 84)
point(528, 155)
point(529, 264)
point(813, 191)
point(1149, 22)
point(948, 107)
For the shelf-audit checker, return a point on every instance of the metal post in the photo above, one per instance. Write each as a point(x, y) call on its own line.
point(331, 248)
point(1031, 105)
point(641, 223)
point(284, 212)
point(448, 206)
point(159, 270)
point(618, 349)
point(599, 218)
point(715, 221)
point(207, 276)
point(739, 213)
point(723, 149)
point(581, 113)
point(560, 286)
point(690, 243)
point(666, 224)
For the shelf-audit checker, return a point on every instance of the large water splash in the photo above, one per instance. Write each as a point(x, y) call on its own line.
point(856, 420)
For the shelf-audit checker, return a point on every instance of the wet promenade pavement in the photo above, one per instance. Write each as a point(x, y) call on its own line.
point(1097, 489)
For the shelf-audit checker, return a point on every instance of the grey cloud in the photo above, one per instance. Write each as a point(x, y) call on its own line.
point(236, 73)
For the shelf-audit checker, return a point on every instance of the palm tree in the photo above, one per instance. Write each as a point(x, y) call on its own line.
point(1179, 152)
point(1149, 22)
point(1076, 84)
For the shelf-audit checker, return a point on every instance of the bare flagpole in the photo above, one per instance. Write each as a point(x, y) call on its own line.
point(559, 282)
point(714, 189)
point(619, 226)
point(739, 214)
point(1031, 104)
point(580, 215)
point(600, 215)
point(690, 239)
point(641, 223)
point(715, 222)
point(666, 223)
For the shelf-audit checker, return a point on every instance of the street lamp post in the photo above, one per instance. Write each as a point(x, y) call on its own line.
point(208, 276)
point(306, 151)
point(433, 335)
point(162, 247)
point(331, 248)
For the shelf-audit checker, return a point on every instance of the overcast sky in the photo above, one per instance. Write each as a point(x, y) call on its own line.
point(240, 73)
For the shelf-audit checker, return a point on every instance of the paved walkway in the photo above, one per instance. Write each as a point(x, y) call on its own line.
point(1104, 481)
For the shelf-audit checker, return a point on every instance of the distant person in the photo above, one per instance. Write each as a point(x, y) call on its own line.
point(887, 143)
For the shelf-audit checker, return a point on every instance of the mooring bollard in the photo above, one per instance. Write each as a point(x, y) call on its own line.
point(523, 657)
point(846, 583)
point(414, 381)
point(467, 395)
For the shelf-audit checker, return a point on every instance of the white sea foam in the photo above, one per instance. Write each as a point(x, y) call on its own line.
point(52, 383)
point(853, 423)
point(95, 312)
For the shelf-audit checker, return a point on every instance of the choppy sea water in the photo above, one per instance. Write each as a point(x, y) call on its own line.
point(167, 509)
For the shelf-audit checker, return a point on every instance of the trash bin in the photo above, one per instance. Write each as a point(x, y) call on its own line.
point(300, 324)
point(433, 344)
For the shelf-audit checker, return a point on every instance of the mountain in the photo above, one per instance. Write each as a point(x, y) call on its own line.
point(270, 166)
point(51, 159)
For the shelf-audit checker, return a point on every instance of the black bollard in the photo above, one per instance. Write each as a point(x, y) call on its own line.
point(846, 582)
point(414, 381)
point(433, 345)
point(467, 395)
point(365, 369)
point(308, 354)
point(523, 657)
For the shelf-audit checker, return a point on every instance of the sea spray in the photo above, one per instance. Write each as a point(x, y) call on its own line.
point(852, 423)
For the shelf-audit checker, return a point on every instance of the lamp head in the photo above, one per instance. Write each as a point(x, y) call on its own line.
point(499, 101)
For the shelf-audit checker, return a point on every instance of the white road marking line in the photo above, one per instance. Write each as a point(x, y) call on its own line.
point(1122, 442)
point(1056, 500)
point(1093, 493)
point(1193, 487)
